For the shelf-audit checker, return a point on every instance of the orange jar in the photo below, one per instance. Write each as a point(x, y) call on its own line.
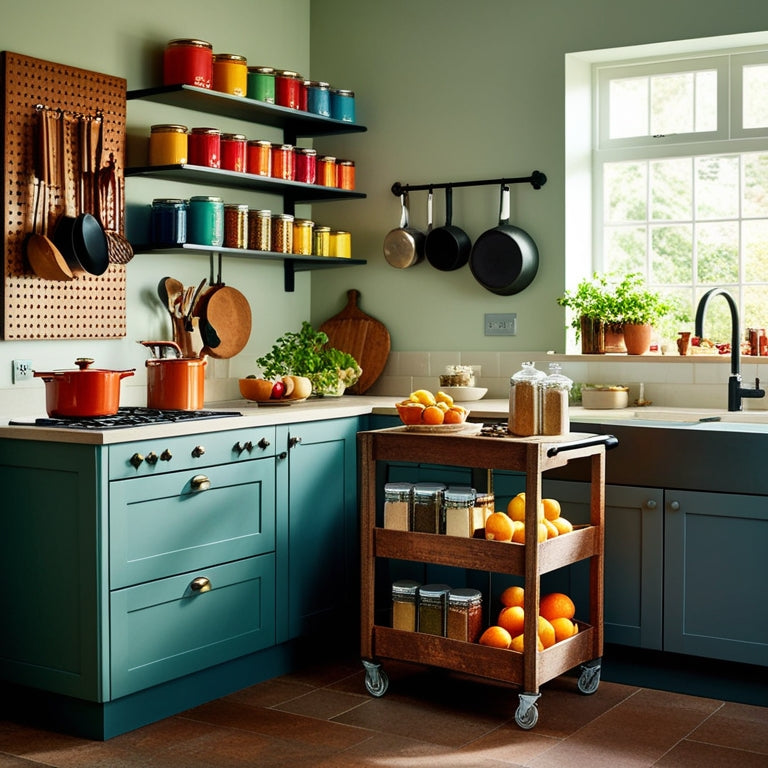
point(345, 174)
point(168, 145)
point(283, 162)
point(259, 157)
point(230, 74)
point(326, 171)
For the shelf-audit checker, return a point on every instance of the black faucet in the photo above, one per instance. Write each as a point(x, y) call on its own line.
point(735, 391)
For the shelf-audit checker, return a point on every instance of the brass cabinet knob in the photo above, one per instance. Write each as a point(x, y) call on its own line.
point(198, 451)
point(166, 455)
point(200, 483)
point(136, 460)
point(201, 584)
point(151, 458)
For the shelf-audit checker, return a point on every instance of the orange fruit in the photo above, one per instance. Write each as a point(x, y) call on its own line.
point(557, 605)
point(432, 415)
point(516, 644)
point(453, 416)
point(518, 535)
point(512, 596)
point(564, 628)
point(552, 530)
point(516, 507)
point(496, 637)
point(562, 525)
point(546, 633)
point(511, 619)
point(551, 508)
point(498, 527)
point(410, 413)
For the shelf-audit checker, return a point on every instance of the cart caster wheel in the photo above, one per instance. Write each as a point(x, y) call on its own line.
point(589, 678)
point(376, 680)
point(527, 713)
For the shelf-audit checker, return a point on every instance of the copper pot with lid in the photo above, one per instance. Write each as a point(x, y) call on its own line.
point(174, 382)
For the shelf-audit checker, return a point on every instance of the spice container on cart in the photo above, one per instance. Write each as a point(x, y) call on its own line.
point(188, 62)
point(426, 502)
point(261, 84)
point(555, 389)
point(524, 398)
point(432, 614)
point(404, 604)
point(458, 512)
point(168, 145)
point(465, 615)
point(397, 506)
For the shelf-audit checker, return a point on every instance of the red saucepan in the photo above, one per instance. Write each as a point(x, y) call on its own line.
point(174, 382)
point(504, 260)
point(83, 392)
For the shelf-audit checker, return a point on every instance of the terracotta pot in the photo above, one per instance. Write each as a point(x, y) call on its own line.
point(614, 338)
point(592, 336)
point(637, 338)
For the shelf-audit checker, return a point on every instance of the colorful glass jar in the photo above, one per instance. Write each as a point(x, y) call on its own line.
point(302, 236)
point(233, 152)
point(464, 615)
point(282, 233)
point(288, 88)
point(340, 244)
point(260, 230)
point(343, 105)
point(205, 147)
point(230, 74)
point(345, 174)
point(306, 165)
point(326, 171)
point(168, 221)
point(321, 241)
point(261, 84)
point(259, 157)
point(168, 145)
point(319, 97)
point(283, 162)
point(188, 62)
point(205, 220)
point(404, 604)
point(236, 225)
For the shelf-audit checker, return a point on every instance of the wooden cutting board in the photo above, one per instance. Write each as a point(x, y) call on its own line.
point(361, 336)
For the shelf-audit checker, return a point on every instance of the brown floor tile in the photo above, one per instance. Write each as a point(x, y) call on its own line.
point(322, 703)
point(689, 754)
point(270, 693)
point(738, 726)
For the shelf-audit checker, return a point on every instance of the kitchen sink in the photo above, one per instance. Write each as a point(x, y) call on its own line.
point(753, 421)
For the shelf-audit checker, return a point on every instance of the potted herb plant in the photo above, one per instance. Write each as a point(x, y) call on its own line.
point(306, 353)
point(591, 308)
point(638, 308)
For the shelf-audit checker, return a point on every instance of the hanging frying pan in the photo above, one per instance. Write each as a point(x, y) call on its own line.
point(404, 246)
point(447, 248)
point(504, 260)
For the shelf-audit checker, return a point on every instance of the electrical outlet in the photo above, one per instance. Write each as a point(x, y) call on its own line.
point(22, 371)
point(501, 324)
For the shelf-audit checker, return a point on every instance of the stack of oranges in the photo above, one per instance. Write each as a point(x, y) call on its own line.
point(510, 525)
point(423, 407)
point(555, 621)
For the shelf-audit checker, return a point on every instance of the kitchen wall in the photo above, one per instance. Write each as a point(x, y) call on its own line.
point(449, 90)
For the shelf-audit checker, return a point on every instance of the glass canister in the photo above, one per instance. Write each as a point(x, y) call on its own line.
point(168, 145)
point(432, 601)
point(260, 230)
point(485, 505)
point(524, 396)
point(326, 171)
point(230, 74)
point(233, 152)
point(236, 225)
point(343, 105)
point(555, 389)
point(319, 98)
point(259, 157)
point(188, 62)
point(261, 84)
point(465, 615)
point(283, 162)
point(457, 511)
point(426, 502)
point(168, 221)
point(282, 233)
point(302, 236)
point(397, 506)
point(340, 244)
point(205, 220)
point(306, 165)
point(205, 147)
point(345, 174)
point(321, 241)
point(404, 604)
point(288, 88)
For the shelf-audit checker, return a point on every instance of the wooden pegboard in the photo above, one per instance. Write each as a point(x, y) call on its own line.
point(90, 306)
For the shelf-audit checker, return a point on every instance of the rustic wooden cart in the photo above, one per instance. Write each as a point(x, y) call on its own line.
point(533, 456)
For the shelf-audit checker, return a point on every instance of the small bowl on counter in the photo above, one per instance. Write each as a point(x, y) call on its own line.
point(603, 396)
point(465, 394)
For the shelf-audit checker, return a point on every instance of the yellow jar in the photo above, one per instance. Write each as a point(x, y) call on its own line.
point(302, 236)
point(168, 145)
point(321, 241)
point(230, 74)
point(341, 244)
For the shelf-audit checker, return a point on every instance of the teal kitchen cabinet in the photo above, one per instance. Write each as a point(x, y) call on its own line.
point(317, 528)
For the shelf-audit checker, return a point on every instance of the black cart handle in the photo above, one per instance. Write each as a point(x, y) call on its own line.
point(609, 441)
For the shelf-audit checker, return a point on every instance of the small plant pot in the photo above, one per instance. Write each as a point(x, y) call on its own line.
point(637, 338)
point(614, 338)
point(592, 336)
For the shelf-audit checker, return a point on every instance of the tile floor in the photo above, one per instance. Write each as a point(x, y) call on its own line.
point(322, 717)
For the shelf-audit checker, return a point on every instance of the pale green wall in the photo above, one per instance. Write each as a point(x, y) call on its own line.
point(451, 90)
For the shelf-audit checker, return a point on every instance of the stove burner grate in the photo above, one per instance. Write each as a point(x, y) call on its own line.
point(128, 417)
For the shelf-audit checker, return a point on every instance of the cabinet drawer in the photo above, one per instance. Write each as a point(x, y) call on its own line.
point(166, 629)
point(161, 526)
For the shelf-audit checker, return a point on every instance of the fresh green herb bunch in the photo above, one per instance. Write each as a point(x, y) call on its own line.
point(306, 353)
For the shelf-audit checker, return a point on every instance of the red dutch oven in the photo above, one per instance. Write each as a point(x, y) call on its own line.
point(174, 383)
point(83, 392)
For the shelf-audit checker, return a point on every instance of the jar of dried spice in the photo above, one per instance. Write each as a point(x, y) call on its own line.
point(524, 398)
point(465, 615)
point(432, 609)
point(397, 506)
point(456, 518)
point(555, 389)
point(404, 604)
point(426, 503)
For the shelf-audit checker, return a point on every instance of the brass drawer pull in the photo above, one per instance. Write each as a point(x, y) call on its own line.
point(200, 483)
point(201, 584)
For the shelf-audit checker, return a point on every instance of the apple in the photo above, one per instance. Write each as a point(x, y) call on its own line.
point(278, 390)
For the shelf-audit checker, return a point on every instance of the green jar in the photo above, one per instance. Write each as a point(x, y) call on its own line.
point(261, 84)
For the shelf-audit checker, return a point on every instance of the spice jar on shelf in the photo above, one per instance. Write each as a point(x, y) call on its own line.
point(397, 506)
point(432, 601)
point(426, 503)
point(458, 511)
point(404, 604)
point(465, 615)
point(555, 389)
point(524, 391)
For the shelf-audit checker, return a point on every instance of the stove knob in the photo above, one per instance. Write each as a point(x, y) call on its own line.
point(151, 458)
point(136, 460)
point(238, 447)
point(248, 446)
point(166, 455)
point(293, 442)
point(198, 451)
point(263, 443)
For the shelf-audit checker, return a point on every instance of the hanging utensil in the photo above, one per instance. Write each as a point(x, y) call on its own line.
point(447, 248)
point(404, 246)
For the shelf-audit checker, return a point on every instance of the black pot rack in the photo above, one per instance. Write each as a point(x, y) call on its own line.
point(537, 180)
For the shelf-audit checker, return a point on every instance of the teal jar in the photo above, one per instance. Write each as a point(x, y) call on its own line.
point(319, 98)
point(205, 221)
point(343, 105)
point(261, 84)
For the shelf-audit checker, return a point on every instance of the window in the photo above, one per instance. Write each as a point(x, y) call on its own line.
point(680, 165)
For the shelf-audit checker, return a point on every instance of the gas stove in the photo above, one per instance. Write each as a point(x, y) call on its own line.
point(126, 417)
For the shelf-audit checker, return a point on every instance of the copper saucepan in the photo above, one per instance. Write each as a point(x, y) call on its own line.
point(174, 382)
